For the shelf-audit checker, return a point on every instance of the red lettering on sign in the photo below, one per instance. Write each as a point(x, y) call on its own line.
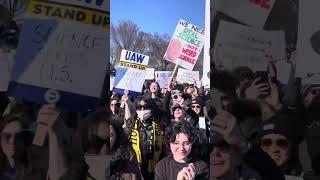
point(189, 52)
point(262, 3)
point(187, 59)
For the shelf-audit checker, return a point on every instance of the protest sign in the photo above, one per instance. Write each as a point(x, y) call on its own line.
point(163, 77)
point(111, 82)
point(94, 12)
point(238, 45)
point(308, 46)
point(250, 12)
point(150, 74)
point(185, 45)
point(57, 63)
point(131, 73)
point(6, 63)
point(187, 76)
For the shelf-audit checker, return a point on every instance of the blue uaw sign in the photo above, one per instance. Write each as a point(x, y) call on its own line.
point(131, 73)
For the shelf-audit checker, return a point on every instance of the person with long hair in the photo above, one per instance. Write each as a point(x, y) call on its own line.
point(9, 128)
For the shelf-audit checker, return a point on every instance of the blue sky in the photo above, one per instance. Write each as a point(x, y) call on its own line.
point(159, 16)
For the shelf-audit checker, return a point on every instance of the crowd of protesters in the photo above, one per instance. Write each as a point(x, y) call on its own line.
point(247, 126)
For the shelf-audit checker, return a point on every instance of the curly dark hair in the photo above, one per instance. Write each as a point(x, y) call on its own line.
point(176, 128)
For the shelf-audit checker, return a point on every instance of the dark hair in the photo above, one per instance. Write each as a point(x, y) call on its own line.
point(225, 82)
point(88, 128)
point(179, 127)
point(159, 89)
point(24, 122)
point(151, 103)
point(242, 72)
point(122, 148)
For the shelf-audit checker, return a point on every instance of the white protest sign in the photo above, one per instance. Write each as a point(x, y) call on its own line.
point(150, 74)
point(185, 45)
point(68, 57)
point(6, 63)
point(131, 72)
point(187, 76)
point(163, 77)
point(238, 45)
point(308, 46)
point(62, 62)
point(250, 12)
point(111, 82)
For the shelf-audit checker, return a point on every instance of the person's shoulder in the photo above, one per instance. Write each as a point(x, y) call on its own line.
point(164, 162)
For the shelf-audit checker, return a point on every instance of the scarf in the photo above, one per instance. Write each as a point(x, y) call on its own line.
point(156, 137)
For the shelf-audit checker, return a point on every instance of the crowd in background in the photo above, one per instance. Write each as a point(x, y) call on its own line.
point(248, 125)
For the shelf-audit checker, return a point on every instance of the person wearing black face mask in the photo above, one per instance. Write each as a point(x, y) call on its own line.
point(146, 135)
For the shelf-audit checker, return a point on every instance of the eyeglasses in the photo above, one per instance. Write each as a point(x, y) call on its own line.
point(282, 143)
point(196, 106)
point(140, 107)
point(184, 144)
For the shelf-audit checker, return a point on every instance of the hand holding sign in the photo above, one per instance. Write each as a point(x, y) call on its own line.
point(47, 117)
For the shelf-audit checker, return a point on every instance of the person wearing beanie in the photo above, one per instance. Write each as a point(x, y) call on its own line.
point(278, 138)
point(182, 112)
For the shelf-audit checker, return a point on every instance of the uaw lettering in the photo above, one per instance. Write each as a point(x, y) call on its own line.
point(132, 65)
point(70, 12)
point(132, 56)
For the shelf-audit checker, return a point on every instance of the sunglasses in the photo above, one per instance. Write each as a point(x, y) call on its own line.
point(282, 143)
point(195, 106)
point(140, 107)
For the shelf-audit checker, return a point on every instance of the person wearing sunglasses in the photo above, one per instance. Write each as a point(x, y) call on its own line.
point(181, 163)
point(279, 138)
point(146, 135)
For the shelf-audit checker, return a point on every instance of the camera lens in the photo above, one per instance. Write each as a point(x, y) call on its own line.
point(175, 96)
